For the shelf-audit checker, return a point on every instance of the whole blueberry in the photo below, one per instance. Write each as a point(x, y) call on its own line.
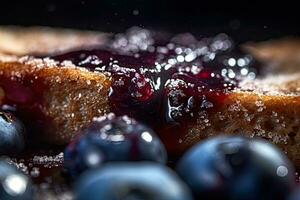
point(237, 168)
point(12, 133)
point(134, 181)
point(113, 138)
point(295, 195)
point(14, 185)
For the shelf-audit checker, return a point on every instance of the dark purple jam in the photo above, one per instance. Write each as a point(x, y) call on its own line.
point(167, 83)
point(25, 99)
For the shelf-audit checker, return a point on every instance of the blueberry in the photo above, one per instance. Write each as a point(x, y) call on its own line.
point(14, 185)
point(133, 181)
point(237, 168)
point(113, 139)
point(295, 195)
point(12, 133)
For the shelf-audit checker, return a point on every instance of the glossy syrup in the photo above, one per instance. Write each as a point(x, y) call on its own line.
point(167, 82)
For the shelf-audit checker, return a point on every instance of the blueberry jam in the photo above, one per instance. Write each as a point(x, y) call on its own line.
point(167, 82)
point(25, 99)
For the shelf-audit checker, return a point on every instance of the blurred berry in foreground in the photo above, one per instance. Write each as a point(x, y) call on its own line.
point(237, 168)
point(146, 181)
point(12, 133)
point(14, 185)
point(295, 195)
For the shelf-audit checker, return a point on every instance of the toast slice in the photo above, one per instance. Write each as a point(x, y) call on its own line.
point(280, 56)
point(63, 98)
point(69, 97)
point(45, 40)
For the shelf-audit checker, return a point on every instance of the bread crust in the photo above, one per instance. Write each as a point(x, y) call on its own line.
point(23, 41)
point(71, 96)
point(272, 117)
point(279, 56)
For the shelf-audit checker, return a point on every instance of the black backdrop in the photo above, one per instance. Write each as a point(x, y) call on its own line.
point(244, 20)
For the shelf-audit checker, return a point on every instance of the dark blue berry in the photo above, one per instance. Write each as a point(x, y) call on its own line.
point(113, 139)
point(237, 168)
point(12, 133)
point(133, 181)
point(14, 185)
point(295, 195)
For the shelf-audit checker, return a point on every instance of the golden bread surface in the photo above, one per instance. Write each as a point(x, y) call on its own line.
point(251, 111)
point(23, 41)
point(72, 96)
point(280, 55)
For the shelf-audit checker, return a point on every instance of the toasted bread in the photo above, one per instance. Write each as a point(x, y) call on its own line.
point(72, 96)
point(266, 108)
point(280, 56)
point(45, 40)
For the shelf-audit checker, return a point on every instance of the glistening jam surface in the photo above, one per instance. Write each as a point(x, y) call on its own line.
point(166, 81)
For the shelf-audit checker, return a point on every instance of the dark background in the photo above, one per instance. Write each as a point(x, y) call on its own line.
point(243, 20)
